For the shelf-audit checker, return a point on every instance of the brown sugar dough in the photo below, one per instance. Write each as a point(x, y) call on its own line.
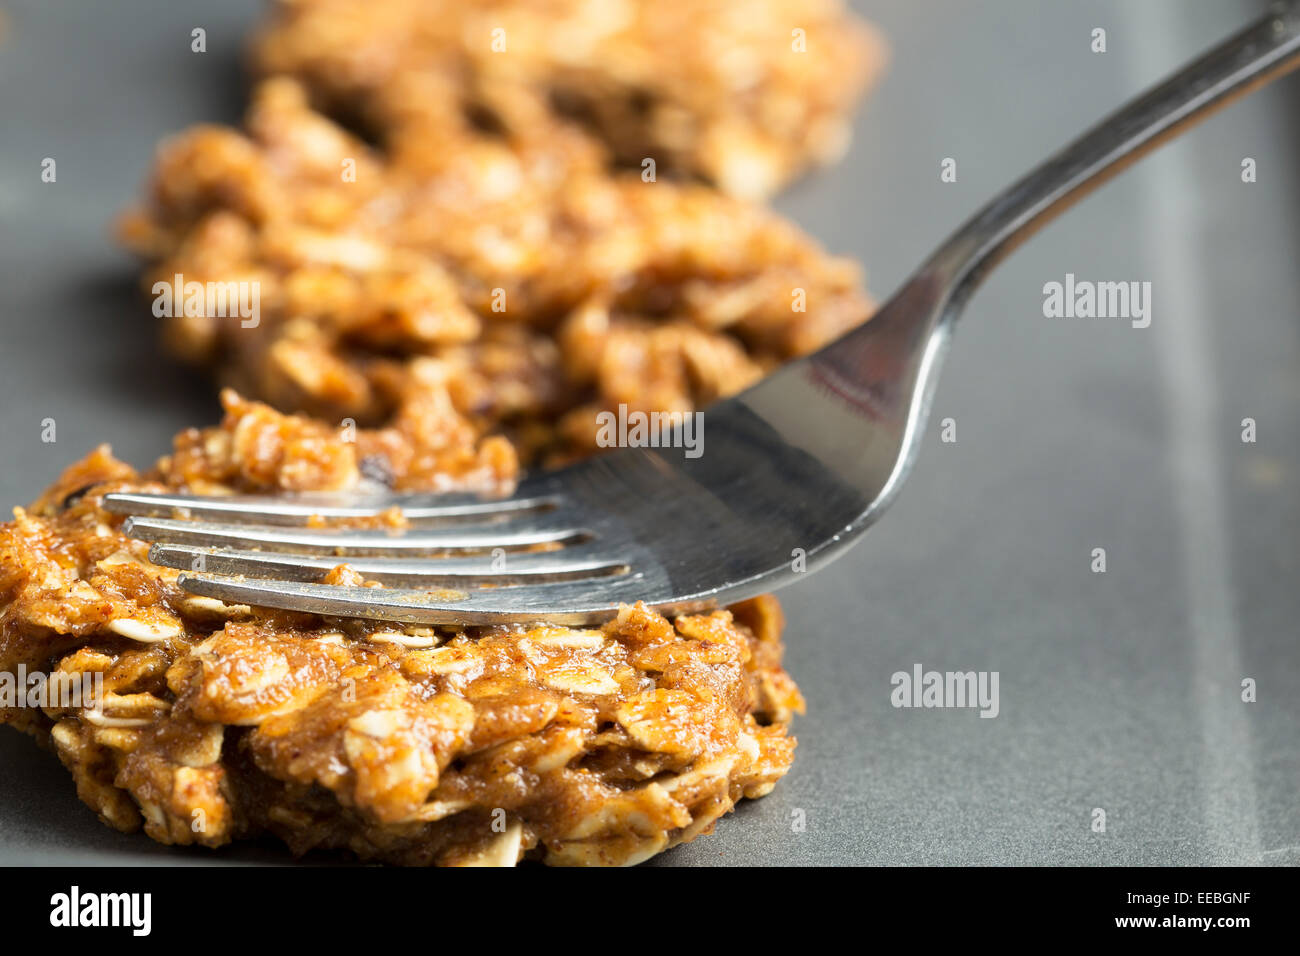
point(453, 296)
point(533, 296)
point(745, 95)
point(407, 745)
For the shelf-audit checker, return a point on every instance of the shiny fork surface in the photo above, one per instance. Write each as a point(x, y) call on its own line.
point(792, 472)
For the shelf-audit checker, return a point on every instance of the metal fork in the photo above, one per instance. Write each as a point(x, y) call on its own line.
point(792, 472)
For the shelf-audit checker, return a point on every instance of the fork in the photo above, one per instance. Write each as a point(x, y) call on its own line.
point(793, 470)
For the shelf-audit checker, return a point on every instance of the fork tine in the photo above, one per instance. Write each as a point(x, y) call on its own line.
point(343, 542)
point(411, 606)
point(298, 510)
point(568, 564)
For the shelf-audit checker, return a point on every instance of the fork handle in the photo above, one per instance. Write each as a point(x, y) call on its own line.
point(1250, 59)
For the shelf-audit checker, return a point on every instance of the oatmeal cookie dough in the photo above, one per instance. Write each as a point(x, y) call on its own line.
point(453, 278)
point(743, 94)
point(538, 289)
point(414, 746)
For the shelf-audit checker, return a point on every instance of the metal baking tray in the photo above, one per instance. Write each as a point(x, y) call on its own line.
point(1118, 691)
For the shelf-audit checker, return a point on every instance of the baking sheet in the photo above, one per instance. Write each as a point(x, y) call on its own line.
point(1118, 691)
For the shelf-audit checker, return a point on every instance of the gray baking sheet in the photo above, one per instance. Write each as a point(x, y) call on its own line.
point(1119, 691)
